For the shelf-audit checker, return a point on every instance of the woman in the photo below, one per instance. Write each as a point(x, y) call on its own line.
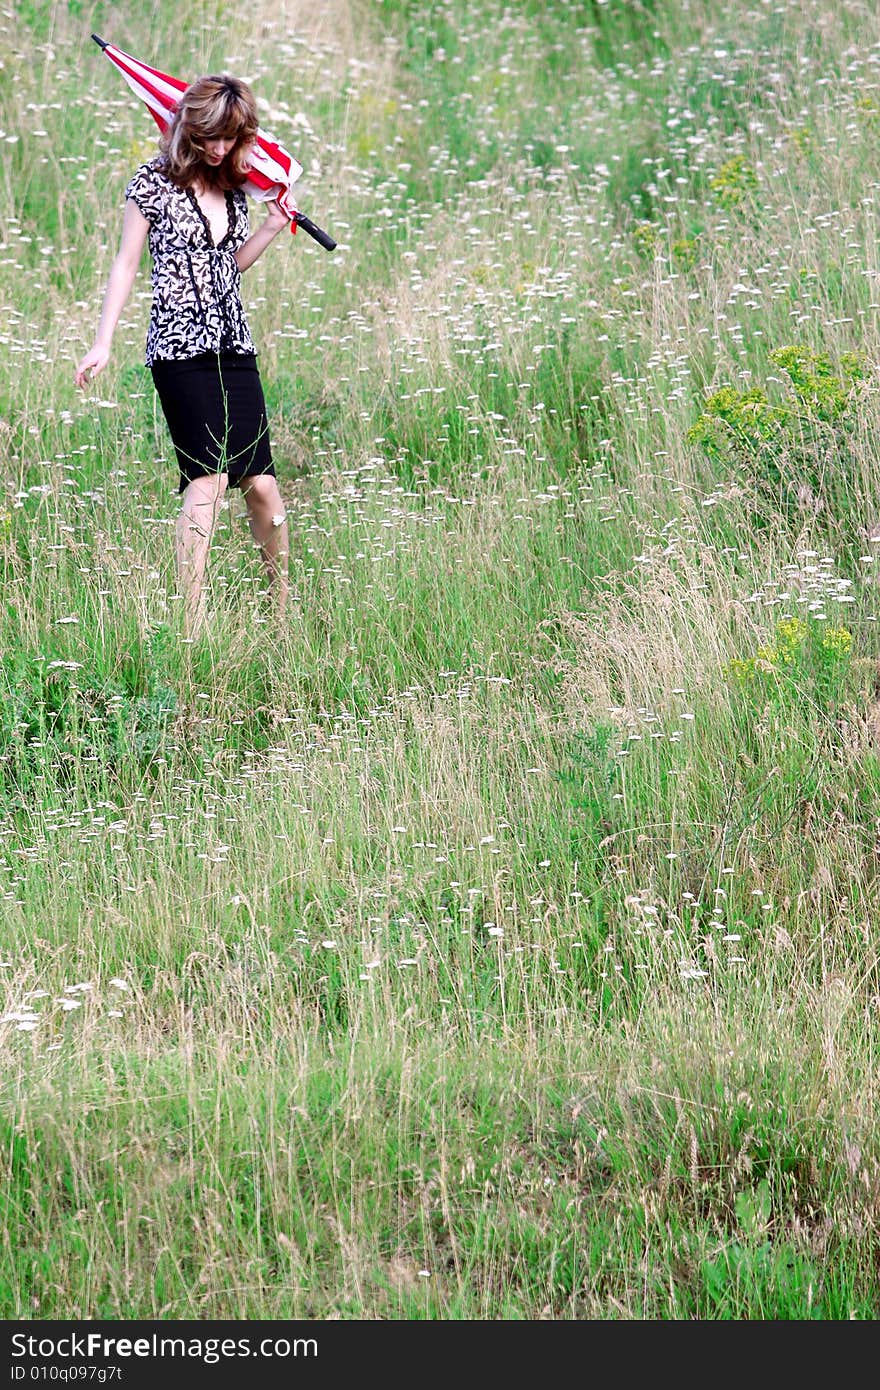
point(190, 204)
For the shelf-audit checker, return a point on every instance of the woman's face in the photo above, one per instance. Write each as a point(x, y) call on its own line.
point(217, 150)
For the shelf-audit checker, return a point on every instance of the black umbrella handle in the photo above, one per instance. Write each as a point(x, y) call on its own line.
point(321, 237)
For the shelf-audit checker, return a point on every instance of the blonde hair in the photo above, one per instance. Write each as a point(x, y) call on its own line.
point(212, 108)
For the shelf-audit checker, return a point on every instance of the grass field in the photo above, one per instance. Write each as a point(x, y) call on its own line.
point(498, 937)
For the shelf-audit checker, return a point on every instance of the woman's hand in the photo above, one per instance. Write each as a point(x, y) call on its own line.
point(276, 218)
point(94, 362)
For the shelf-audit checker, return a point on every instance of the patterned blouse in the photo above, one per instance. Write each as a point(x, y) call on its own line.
point(196, 285)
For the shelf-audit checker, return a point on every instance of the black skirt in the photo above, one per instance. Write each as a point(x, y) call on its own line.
point(214, 408)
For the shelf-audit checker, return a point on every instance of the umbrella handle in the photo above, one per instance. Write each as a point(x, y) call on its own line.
point(320, 236)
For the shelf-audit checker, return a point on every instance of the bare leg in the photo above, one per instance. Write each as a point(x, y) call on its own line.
point(195, 527)
point(268, 522)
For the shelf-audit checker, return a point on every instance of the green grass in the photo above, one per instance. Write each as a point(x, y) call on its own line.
point(494, 938)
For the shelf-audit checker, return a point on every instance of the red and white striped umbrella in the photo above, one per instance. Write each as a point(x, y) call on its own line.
point(273, 169)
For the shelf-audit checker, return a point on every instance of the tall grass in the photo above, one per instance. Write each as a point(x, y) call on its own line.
point(495, 938)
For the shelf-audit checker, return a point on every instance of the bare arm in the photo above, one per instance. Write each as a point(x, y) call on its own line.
point(275, 221)
point(134, 234)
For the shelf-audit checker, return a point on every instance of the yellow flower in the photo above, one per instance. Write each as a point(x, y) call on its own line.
point(765, 658)
point(790, 633)
point(741, 669)
point(837, 640)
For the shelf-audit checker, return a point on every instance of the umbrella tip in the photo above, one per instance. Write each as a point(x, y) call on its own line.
point(102, 43)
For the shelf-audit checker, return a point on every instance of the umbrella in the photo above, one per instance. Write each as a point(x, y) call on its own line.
point(273, 169)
